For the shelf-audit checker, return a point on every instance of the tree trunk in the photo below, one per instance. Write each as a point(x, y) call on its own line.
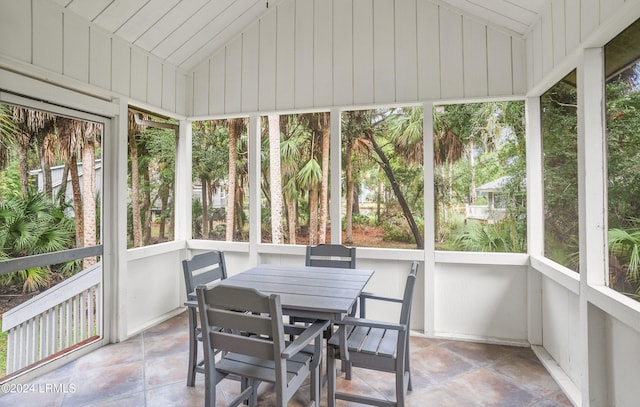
point(88, 195)
point(46, 172)
point(77, 200)
point(23, 152)
point(386, 166)
point(135, 192)
point(164, 210)
point(145, 210)
point(231, 182)
point(291, 220)
point(313, 215)
point(276, 179)
point(378, 203)
point(348, 175)
point(324, 188)
point(62, 192)
point(239, 221)
point(450, 189)
point(472, 164)
point(205, 207)
point(445, 213)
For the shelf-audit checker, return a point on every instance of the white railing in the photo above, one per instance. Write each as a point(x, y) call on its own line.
point(485, 213)
point(63, 317)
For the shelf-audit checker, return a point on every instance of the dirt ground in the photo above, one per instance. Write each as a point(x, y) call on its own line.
point(12, 296)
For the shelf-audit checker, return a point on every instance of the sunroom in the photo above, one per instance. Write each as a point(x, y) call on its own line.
point(173, 65)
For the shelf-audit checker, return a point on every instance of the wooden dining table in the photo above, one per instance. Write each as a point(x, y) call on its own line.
point(308, 292)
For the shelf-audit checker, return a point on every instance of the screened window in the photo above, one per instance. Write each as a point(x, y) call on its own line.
point(295, 178)
point(383, 180)
point(559, 118)
point(622, 69)
point(50, 202)
point(479, 159)
point(151, 179)
point(220, 198)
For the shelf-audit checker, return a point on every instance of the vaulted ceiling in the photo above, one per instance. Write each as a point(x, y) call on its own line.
point(185, 32)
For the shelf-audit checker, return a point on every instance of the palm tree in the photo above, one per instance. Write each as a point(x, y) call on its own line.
point(320, 127)
point(448, 148)
point(29, 226)
point(235, 130)
point(385, 164)
point(624, 247)
point(69, 138)
point(276, 178)
point(33, 125)
point(353, 124)
point(134, 130)
point(92, 133)
point(309, 178)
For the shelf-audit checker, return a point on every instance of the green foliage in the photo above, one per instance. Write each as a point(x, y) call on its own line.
point(476, 143)
point(565, 253)
point(625, 245)
point(448, 231)
point(623, 122)
point(395, 229)
point(502, 236)
point(310, 174)
point(10, 181)
point(32, 226)
point(559, 122)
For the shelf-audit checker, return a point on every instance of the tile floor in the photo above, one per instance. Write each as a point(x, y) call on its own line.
point(149, 370)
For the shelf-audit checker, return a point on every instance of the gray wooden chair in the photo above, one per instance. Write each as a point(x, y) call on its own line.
point(374, 345)
point(331, 255)
point(247, 327)
point(202, 268)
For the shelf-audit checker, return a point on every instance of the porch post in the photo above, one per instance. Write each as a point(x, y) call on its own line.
point(118, 321)
point(183, 211)
point(593, 223)
point(429, 221)
point(335, 154)
point(254, 186)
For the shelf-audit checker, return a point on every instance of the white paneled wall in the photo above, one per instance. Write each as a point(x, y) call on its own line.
point(563, 26)
point(308, 54)
point(63, 44)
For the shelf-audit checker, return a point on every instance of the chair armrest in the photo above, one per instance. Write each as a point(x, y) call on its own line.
point(294, 329)
point(351, 321)
point(365, 295)
point(316, 329)
point(372, 296)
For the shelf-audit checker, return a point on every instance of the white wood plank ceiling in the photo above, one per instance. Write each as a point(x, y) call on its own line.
point(185, 32)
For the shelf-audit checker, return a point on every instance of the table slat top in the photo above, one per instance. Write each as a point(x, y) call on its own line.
point(320, 292)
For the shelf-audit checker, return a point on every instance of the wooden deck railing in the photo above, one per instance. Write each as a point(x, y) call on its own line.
point(54, 321)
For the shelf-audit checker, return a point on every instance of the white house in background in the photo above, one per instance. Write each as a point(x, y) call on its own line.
point(218, 199)
point(494, 210)
point(57, 173)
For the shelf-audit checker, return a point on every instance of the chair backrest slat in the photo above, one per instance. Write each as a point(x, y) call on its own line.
point(331, 255)
point(239, 321)
point(407, 298)
point(246, 345)
point(204, 268)
point(242, 320)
